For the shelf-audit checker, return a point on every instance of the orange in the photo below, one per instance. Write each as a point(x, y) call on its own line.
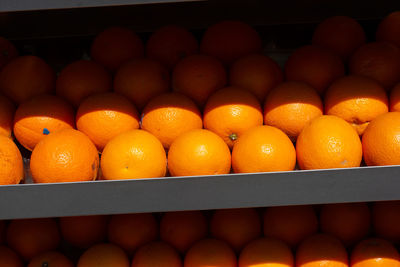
point(84, 231)
point(40, 116)
point(11, 165)
point(357, 100)
point(104, 255)
point(169, 115)
point(380, 141)
point(229, 40)
point(171, 43)
point(7, 110)
point(321, 250)
point(290, 106)
point(49, 259)
point(198, 76)
point(389, 28)
point(65, 156)
point(386, 220)
point(266, 252)
point(133, 154)
point(7, 52)
point(30, 237)
point(341, 34)
point(394, 99)
point(183, 228)
point(256, 73)
point(290, 224)
point(350, 222)
point(156, 254)
point(81, 79)
point(103, 116)
point(374, 252)
point(140, 80)
point(198, 152)
point(263, 149)
point(9, 258)
point(328, 142)
point(237, 227)
point(130, 231)
point(314, 65)
point(116, 45)
point(25, 77)
point(210, 252)
point(379, 61)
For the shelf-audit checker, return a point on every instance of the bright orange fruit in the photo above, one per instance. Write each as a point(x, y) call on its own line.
point(12, 169)
point(7, 110)
point(104, 255)
point(374, 252)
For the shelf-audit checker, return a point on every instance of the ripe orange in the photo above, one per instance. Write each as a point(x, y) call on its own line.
point(389, 29)
point(386, 220)
point(183, 228)
point(65, 156)
point(379, 61)
point(156, 254)
point(328, 142)
point(198, 76)
point(380, 141)
point(357, 100)
point(314, 65)
point(12, 169)
point(25, 77)
point(133, 154)
point(268, 252)
point(169, 115)
point(171, 43)
point(256, 73)
point(374, 252)
point(290, 224)
point(229, 40)
point(199, 152)
point(116, 45)
point(9, 258)
point(49, 259)
point(210, 252)
point(230, 111)
point(30, 237)
point(104, 255)
point(140, 80)
point(394, 99)
point(341, 34)
point(290, 106)
point(7, 52)
point(263, 149)
point(321, 250)
point(7, 110)
point(81, 79)
point(130, 231)
point(103, 116)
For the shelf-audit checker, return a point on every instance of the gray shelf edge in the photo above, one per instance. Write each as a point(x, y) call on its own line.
point(200, 193)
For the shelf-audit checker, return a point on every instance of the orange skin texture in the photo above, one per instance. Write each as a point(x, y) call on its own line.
point(290, 106)
point(266, 252)
point(81, 79)
point(103, 116)
point(156, 254)
point(171, 43)
point(357, 100)
point(290, 224)
point(116, 45)
point(229, 40)
point(394, 99)
point(256, 73)
point(131, 231)
point(341, 34)
point(198, 76)
point(7, 110)
point(380, 140)
point(31, 237)
point(321, 250)
point(389, 29)
point(9, 258)
point(7, 52)
point(328, 142)
point(52, 258)
point(350, 222)
point(210, 252)
point(230, 111)
point(104, 255)
point(25, 77)
point(386, 219)
point(199, 152)
point(263, 149)
point(379, 61)
point(183, 228)
point(169, 115)
point(11, 165)
point(141, 80)
point(133, 154)
point(314, 65)
point(65, 156)
point(374, 252)
point(39, 113)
